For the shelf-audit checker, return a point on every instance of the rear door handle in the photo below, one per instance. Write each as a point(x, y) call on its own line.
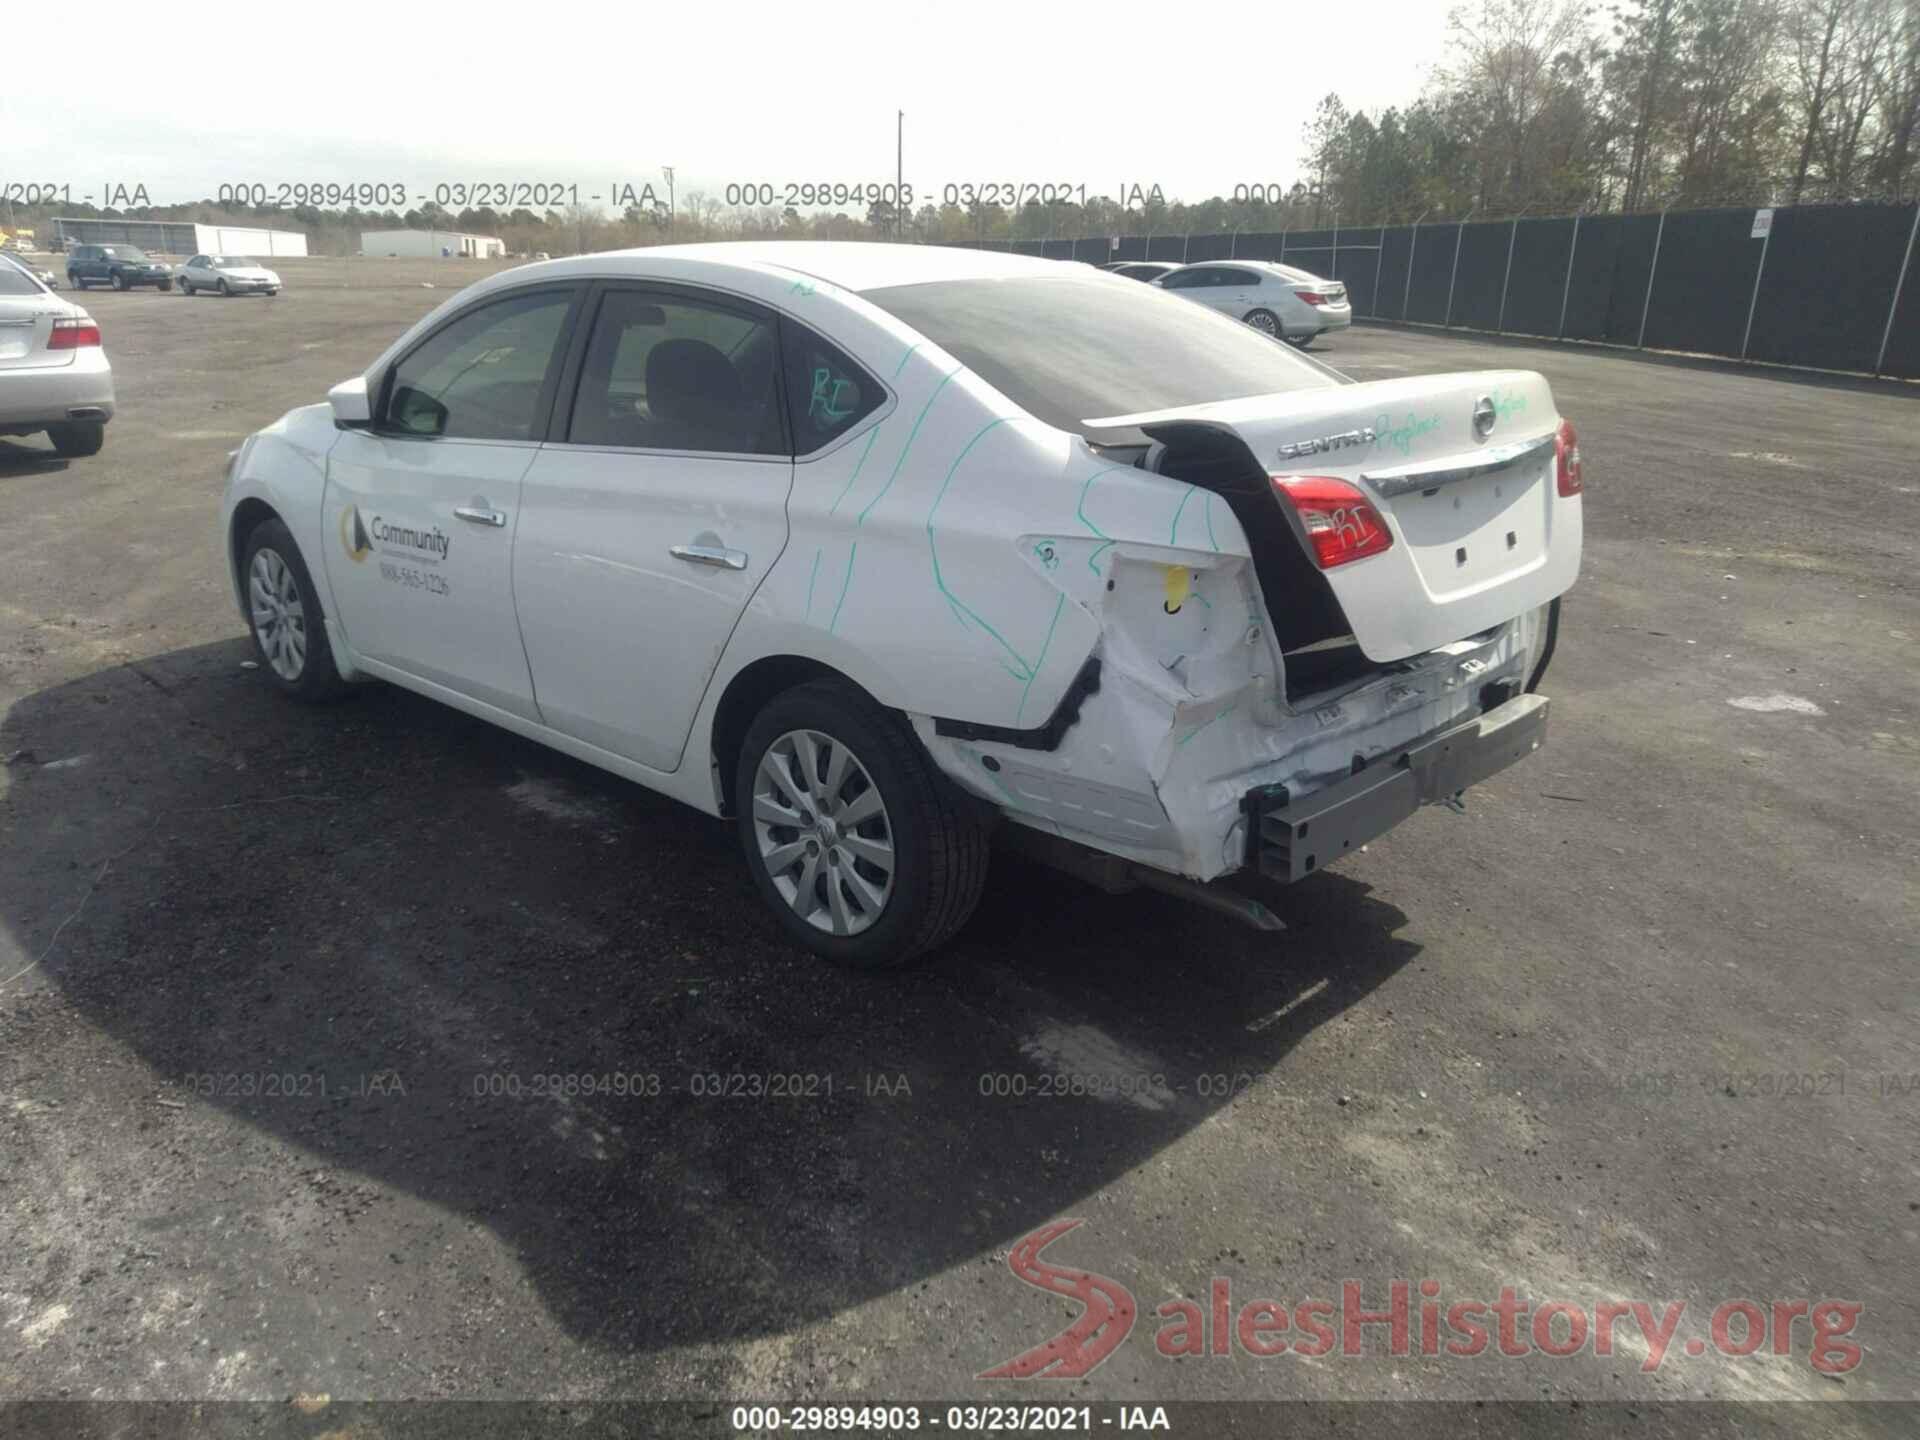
point(717, 555)
point(480, 514)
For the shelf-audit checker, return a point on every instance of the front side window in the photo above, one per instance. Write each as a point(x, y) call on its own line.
point(1187, 279)
point(666, 372)
point(1068, 351)
point(482, 376)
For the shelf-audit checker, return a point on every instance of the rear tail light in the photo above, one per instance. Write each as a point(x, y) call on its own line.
point(1312, 297)
point(1340, 521)
point(1566, 460)
point(72, 334)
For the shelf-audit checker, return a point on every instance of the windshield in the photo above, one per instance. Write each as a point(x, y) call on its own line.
point(1067, 349)
point(232, 262)
point(124, 252)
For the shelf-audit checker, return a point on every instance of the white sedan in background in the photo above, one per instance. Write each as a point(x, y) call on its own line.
point(53, 374)
point(1276, 300)
point(226, 275)
point(878, 548)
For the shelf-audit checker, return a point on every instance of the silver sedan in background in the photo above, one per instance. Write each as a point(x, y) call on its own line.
point(53, 374)
point(226, 275)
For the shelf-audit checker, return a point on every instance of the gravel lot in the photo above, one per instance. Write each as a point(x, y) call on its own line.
point(278, 986)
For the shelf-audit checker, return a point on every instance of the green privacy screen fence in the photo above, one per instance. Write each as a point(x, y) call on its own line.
point(1827, 286)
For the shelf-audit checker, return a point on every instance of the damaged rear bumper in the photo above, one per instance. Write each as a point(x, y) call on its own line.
point(1290, 836)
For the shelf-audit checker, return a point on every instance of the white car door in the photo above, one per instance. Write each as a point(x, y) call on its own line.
point(1235, 291)
point(420, 505)
point(650, 520)
point(1199, 283)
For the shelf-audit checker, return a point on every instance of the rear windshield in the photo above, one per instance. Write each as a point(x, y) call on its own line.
point(15, 281)
point(1068, 349)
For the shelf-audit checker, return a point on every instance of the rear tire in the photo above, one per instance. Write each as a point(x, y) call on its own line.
point(1265, 321)
point(287, 624)
point(837, 901)
point(119, 282)
point(225, 289)
point(77, 438)
point(74, 282)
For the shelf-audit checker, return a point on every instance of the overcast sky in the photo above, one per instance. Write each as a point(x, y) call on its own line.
point(1102, 96)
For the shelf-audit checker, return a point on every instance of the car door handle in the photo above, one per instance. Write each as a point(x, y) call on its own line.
point(711, 555)
point(480, 514)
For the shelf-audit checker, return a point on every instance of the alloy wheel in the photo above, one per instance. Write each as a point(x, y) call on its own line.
point(279, 618)
point(823, 832)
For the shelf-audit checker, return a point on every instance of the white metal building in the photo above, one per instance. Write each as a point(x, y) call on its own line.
point(179, 237)
point(416, 244)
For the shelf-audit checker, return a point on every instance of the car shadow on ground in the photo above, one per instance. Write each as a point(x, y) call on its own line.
point(443, 923)
point(22, 456)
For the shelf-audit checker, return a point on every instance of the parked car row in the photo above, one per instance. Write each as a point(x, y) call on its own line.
point(128, 267)
point(1278, 300)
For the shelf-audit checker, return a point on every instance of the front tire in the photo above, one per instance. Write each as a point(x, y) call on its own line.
point(77, 438)
point(119, 282)
point(867, 855)
point(166, 284)
point(289, 633)
point(225, 289)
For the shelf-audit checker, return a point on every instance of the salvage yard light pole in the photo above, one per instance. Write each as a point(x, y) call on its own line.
point(1379, 254)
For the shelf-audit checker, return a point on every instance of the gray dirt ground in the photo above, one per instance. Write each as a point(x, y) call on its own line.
point(1553, 1043)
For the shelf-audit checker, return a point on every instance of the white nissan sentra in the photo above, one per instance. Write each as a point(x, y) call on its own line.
point(887, 550)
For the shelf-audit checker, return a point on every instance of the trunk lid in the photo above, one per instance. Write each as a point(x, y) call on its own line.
point(1480, 533)
point(25, 323)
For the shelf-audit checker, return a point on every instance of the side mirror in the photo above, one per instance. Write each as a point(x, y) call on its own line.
point(417, 413)
point(351, 408)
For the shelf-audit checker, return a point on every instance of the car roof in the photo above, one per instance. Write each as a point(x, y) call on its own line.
point(856, 265)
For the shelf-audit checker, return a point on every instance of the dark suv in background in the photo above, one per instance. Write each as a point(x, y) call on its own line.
point(121, 266)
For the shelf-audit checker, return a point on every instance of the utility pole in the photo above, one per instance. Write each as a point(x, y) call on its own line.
point(667, 170)
point(899, 173)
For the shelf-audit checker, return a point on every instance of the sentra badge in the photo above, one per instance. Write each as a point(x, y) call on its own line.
point(1344, 440)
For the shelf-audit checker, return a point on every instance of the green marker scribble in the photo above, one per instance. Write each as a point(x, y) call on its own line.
point(961, 610)
point(1174, 530)
point(810, 579)
point(1081, 511)
point(1508, 402)
point(1040, 659)
point(872, 435)
point(904, 449)
point(1204, 724)
point(845, 585)
point(1401, 437)
point(826, 397)
point(802, 287)
point(1207, 510)
point(904, 358)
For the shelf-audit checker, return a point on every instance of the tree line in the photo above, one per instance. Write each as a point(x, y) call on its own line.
point(1539, 106)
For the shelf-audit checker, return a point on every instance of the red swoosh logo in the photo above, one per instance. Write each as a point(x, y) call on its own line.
point(1107, 1320)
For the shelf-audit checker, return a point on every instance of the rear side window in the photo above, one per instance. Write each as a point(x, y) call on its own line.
point(1187, 279)
point(1067, 351)
point(1236, 277)
point(481, 376)
point(827, 394)
point(15, 281)
point(667, 372)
